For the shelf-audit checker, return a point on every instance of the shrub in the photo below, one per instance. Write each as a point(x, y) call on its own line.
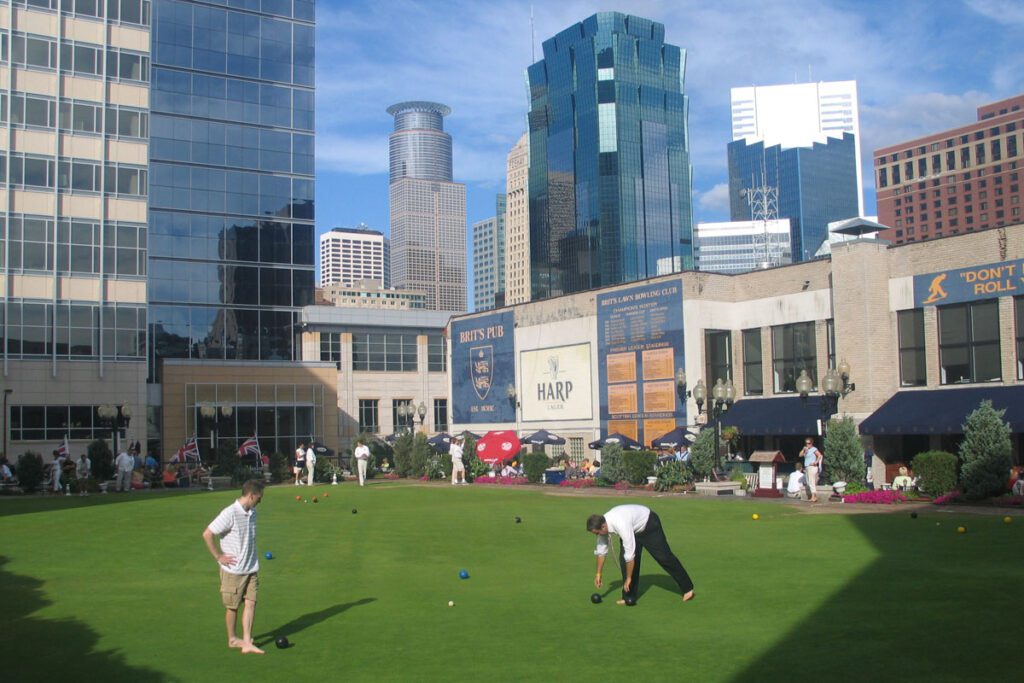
point(102, 459)
point(736, 474)
point(243, 473)
point(672, 474)
point(324, 469)
point(613, 469)
point(844, 457)
point(855, 487)
point(280, 468)
point(30, 471)
point(985, 452)
point(421, 455)
point(702, 454)
point(534, 465)
point(403, 455)
point(639, 465)
point(935, 472)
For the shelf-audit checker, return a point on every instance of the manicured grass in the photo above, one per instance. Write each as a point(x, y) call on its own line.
point(121, 588)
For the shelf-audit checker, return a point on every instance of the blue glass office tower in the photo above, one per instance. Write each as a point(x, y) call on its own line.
point(231, 235)
point(609, 156)
point(816, 185)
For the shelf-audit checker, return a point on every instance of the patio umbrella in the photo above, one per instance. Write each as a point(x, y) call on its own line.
point(391, 439)
point(616, 438)
point(674, 439)
point(321, 450)
point(440, 442)
point(544, 438)
point(497, 447)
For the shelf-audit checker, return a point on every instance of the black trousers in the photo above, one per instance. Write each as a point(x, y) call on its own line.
point(652, 538)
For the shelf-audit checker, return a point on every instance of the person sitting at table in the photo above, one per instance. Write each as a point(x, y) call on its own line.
point(169, 477)
point(903, 481)
point(586, 469)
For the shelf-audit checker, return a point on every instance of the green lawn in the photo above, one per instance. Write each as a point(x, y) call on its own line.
point(121, 588)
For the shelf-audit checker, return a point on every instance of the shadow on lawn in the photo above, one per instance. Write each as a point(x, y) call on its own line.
point(13, 505)
point(306, 620)
point(38, 649)
point(912, 614)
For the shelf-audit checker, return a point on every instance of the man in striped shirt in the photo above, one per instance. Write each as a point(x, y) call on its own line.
point(235, 529)
point(638, 527)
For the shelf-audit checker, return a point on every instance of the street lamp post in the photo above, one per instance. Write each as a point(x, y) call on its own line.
point(723, 395)
point(115, 418)
point(422, 412)
point(7, 392)
point(835, 385)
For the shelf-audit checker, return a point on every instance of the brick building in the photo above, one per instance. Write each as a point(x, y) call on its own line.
point(956, 181)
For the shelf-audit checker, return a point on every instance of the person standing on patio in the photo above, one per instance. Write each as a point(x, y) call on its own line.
point(638, 527)
point(458, 469)
point(310, 463)
point(362, 454)
point(812, 466)
point(299, 463)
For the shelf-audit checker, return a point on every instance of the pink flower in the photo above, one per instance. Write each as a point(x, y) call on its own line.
point(876, 497)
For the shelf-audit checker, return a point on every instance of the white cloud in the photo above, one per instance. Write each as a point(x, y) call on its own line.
point(715, 200)
point(358, 155)
point(1008, 12)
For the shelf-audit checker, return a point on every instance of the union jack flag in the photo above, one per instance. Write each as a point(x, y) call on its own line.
point(187, 453)
point(63, 450)
point(249, 447)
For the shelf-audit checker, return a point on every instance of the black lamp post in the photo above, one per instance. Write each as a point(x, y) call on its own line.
point(723, 395)
point(421, 410)
point(115, 418)
point(7, 392)
point(835, 385)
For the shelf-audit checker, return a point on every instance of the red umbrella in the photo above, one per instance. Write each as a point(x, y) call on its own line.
point(497, 447)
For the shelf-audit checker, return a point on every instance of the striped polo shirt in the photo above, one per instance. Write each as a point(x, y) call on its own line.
point(236, 528)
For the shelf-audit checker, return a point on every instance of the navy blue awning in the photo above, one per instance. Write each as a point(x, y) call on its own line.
point(942, 411)
point(778, 415)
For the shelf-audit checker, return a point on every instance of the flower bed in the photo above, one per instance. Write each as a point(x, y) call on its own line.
point(391, 475)
point(954, 497)
point(876, 497)
point(578, 483)
point(502, 481)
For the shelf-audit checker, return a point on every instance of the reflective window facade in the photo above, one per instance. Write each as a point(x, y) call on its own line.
point(231, 178)
point(816, 185)
point(609, 186)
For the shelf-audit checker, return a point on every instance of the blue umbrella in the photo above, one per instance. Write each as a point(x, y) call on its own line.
point(673, 439)
point(440, 442)
point(544, 438)
point(619, 439)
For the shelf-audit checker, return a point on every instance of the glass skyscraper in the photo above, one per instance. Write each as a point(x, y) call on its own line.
point(428, 210)
point(231, 234)
point(609, 188)
point(816, 185)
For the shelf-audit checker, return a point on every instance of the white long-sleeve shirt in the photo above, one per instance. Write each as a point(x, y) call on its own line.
point(626, 521)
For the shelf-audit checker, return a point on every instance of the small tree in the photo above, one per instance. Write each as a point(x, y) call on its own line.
point(534, 465)
point(420, 455)
point(30, 471)
point(935, 472)
point(702, 453)
point(844, 456)
point(403, 455)
point(985, 453)
point(102, 459)
point(612, 469)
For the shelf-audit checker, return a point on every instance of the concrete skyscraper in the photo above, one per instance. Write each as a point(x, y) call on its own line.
point(428, 210)
point(517, 224)
point(610, 194)
point(348, 255)
point(488, 238)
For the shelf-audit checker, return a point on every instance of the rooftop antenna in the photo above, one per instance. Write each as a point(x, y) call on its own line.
point(763, 200)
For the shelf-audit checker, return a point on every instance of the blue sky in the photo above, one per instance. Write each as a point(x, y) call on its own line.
point(920, 66)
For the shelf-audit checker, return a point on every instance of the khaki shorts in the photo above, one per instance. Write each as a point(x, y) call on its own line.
point(234, 588)
point(457, 466)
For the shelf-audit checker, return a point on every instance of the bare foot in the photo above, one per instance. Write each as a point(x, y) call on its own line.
point(251, 649)
point(688, 596)
point(620, 602)
point(235, 642)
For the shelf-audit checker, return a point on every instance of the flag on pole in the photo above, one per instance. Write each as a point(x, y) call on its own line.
point(249, 447)
point(63, 450)
point(187, 453)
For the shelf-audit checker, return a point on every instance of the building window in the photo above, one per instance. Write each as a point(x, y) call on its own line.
point(830, 341)
point(793, 350)
point(753, 371)
point(911, 342)
point(437, 357)
point(969, 342)
point(717, 356)
point(330, 347)
point(368, 422)
point(440, 415)
point(53, 423)
point(383, 352)
point(401, 423)
point(1018, 304)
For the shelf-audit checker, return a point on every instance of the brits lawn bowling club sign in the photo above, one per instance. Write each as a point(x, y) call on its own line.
point(556, 383)
point(483, 365)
